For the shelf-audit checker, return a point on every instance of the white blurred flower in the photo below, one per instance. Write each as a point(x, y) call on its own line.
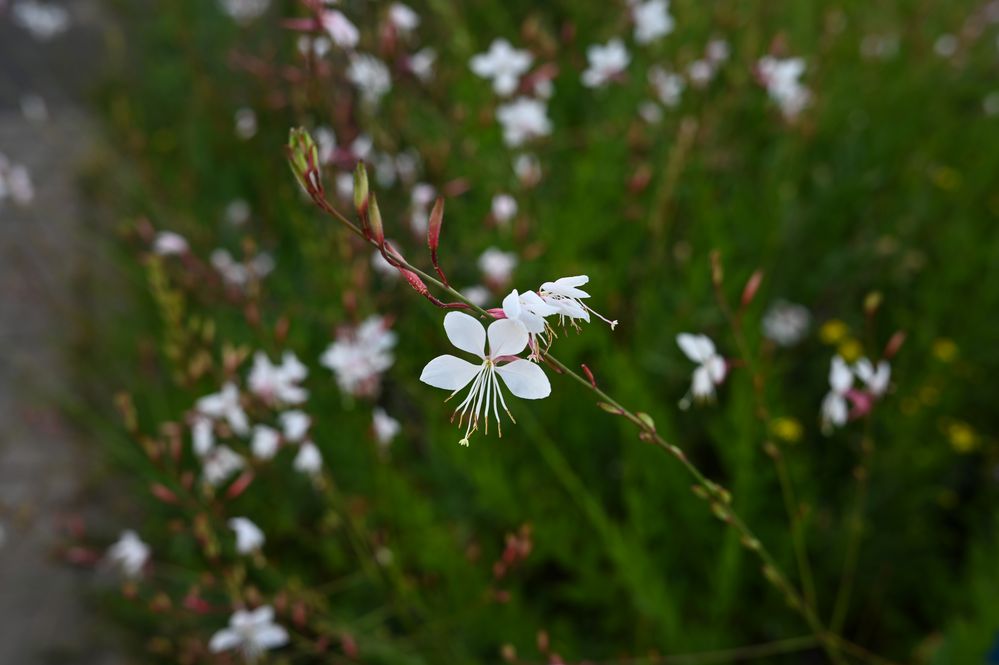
point(325, 143)
point(265, 442)
point(523, 119)
point(202, 435)
point(370, 76)
point(316, 47)
point(239, 274)
point(168, 243)
point(668, 86)
point(382, 266)
point(295, 425)
point(652, 20)
point(422, 63)
point(225, 405)
point(220, 463)
point(129, 554)
point(278, 384)
point(361, 147)
point(343, 33)
point(503, 64)
point(477, 295)
point(650, 112)
point(252, 633)
point(403, 18)
point(711, 367)
point(504, 208)
point(700, 73)
point(606, 62)
point(781, 78)
point(237, 212)
point(308, 460)
point(384, 167)
point(528, 169)
point(345, 186)
point(15, 183)
point(33, 108)
point(44, 20)
point(360, 355)
point(246, 123)
point(835, 408)
point(874, 377)
point(249, 537)
point(385, 427)
point(786, 323)
point(244, 11)
point(945, 46)
point(507, 339)
point(497, 266)
point(717, 51)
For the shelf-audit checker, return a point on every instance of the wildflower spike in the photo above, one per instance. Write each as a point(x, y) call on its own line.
point(303, 157)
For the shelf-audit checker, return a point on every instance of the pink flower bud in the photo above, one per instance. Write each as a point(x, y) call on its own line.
point(163, 494)
point(752, 286)
point(240, 485)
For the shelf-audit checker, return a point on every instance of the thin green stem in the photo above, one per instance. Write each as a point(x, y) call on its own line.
point(856, 525)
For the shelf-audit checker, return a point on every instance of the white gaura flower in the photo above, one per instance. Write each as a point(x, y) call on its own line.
point(835, 408)
point(343, 33)
point(504, 208)
point(477, 295)
point(403, 18)
point(507, 339)
point(381, 266)
point(237, 274)
point(252, 633)
point(129, 554)
point(717, 51)
point(202, 435)
point(44, 20)
point(249, 537)
point(316, 47)
point(711, 368)
point(786, 323)
point(528, 169)
point(875, 377)
point(530, 310)
point(652, 20)
point(385, 427)
point(360, 355)
point(308, 460)
point(265, 442)
point(237, 212)
point(244, 11)
point(219, 464)
point(497, 266)
point(781, 78)
point(567, 298)
point(503, 64)
point(245, 123)
point(295, 425)
point(700, 72)
point(422, 62)
point(522, 120)
point(667, 85)
point(168, 243)
point(278, 384)
point(606, 62)
point(225, 405)
point(370, 76)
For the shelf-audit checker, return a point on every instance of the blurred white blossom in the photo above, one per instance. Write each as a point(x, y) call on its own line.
point(502, 64)
point(129, 554)
point(668, 86)
point(711, 367)
point(343, 33)
point(370, 76)
point(220, 463)
point(244, 11)
point(44, 20)
point(384, 426)
point(295, 425)
point(168, 243)
point(308, 460)
point(782, 80)
point(497, 266)
point(265, 442)
point(249, 537)
point(278, 384)
point(251, 633)
point(523, 119)
point(652, 20)
point(504, 208)
point(835, 408)
point(786, 323)
point(360, 355)
point(606, 62)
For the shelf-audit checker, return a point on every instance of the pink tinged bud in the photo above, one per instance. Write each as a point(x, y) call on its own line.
point(589, 375)
point(434, 235)
point(82, 556)
point(349, 645)
point(894, 344)
point(196, 604)
point(303, 158)
point(240, 485)
point(497, 313)
point(163, 494)
point(752, 286)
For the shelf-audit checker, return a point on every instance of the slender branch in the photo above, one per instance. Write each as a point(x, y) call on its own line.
point(856, 525)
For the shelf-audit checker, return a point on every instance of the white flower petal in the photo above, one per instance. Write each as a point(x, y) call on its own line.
point(525, 379)
point(840, 376)
point(271, 637)
point(696, 347)
point(466, 333)
point(702, 387)
point(449, 372)
point(507, 338)
point(511, 305)
point(224, 640)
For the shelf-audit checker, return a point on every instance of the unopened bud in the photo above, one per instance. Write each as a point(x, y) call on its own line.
point(717, 273)
point(375, 221)
point(752, 286)
point(361, 189)
point(303, 157)
point(872, 302)
point(894, 344)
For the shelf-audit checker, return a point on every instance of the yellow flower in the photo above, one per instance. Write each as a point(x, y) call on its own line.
point(787, 429)
point(833, 331)
point(851, 350)
point(944, 349)
point(963, 438)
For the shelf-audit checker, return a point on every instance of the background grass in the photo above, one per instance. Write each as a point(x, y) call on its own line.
point(887, 184)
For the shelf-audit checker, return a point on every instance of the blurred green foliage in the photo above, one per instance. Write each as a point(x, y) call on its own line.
point(886, 183)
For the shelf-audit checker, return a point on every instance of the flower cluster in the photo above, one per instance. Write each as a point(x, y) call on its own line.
point(874, 379)
point(359, 356)
point(781, 77)
point(522, 324)
point(526, 117)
